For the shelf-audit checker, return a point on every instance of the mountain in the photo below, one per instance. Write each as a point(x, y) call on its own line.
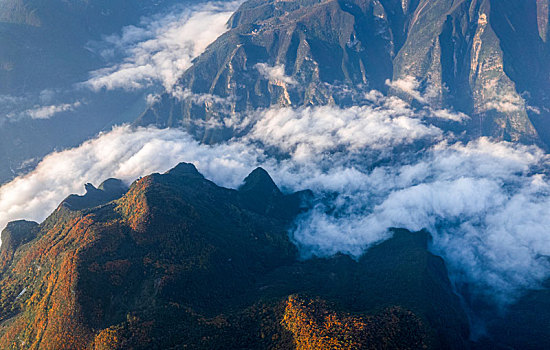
point(180, 262)
point(486, 58)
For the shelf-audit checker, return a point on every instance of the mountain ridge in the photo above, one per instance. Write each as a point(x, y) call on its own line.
point(177, 255)
point(463, 55)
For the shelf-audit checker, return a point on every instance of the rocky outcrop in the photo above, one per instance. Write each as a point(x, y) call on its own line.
point(109, 190)
point(14, 235)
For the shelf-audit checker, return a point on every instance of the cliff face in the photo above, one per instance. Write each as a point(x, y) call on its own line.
point(180, 261)
point(485, 58)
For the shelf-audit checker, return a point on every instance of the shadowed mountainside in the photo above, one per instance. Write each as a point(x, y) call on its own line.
point(180, 261)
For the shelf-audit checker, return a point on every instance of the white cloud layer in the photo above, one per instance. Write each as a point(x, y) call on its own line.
point(308, 133)
point(46, 112)
point(485, 203)
point(128, 153)
point(507, 102)
point(411, 87)
point(275, 74)
point(17, 108)
point(161, 48)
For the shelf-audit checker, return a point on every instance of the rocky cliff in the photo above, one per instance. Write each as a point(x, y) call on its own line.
point(488, 59)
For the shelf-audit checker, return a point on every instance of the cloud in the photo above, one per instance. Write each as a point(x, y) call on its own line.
point(534, 109)
point(124, 153)
point(275, 74)
point(445, 114)
point(505, 102)
point(411, 87)
point(483, 202)
point(186, 94)
point(40, 107)
point(128, 153)
point(9, 104)
point(9, 99)
point(306, 132)
point(46, 112)
point(161, 48)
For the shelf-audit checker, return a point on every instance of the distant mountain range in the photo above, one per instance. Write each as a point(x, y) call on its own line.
point(488, 59)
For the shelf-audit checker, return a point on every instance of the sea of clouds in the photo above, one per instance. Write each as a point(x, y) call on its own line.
point(375, 167)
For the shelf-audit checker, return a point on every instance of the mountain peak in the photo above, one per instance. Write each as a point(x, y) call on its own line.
point(112, 185)
point(186, 170)
point(259, 182)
